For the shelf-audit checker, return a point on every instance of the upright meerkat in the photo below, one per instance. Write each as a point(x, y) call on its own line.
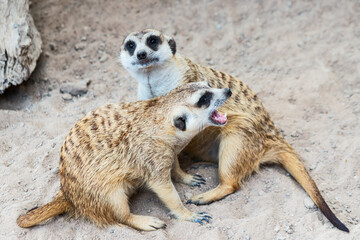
point(249, 139)
point(118, 148)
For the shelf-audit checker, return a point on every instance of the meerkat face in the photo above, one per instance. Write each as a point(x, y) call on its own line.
point(146, 49)
point(200, 109)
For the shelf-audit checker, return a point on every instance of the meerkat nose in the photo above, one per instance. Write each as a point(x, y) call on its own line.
point(141, 55)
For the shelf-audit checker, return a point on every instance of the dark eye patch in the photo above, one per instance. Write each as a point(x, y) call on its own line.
point(205, 99)
point(130, 47)
point(153, 42)
point(180, 122)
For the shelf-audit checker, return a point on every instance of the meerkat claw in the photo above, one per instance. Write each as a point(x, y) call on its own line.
point(197, 180)
point(200, 217)
point(200, 178)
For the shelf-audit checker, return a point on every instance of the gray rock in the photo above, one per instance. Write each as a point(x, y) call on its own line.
point(75, 88)
point(188, 195)
point(308, 203)
point(295, 134)
point(103, 58)
point(290, 229)
point(55, 170)
point(66, 96)
point(80, 46)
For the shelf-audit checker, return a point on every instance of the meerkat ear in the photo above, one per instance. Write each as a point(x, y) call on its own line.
point(180, 122)
point(172, 45)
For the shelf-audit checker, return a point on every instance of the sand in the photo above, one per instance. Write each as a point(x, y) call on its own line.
point(302, 58)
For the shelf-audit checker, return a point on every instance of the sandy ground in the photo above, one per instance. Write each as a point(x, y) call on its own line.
point(302, 58)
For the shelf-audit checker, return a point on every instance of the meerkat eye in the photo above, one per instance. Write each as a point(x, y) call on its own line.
point(205, 99)
point(131, 45)
point(153, 42)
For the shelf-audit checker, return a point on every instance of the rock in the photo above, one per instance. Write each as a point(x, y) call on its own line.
point(347, 209)
point(290, 229)
point(309, 204)
point(103, 58)
point(188, 195)
point(277, 228)
point(66, 96)
point(295, 134)
point(102, 46)
point(80, 46)
point(20, 43)
point(52, 47)
point(313, 166)
point(55, 170)
point(75, 88)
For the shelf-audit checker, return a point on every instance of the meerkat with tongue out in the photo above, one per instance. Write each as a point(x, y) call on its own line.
point(116, 149)
point(248, 140)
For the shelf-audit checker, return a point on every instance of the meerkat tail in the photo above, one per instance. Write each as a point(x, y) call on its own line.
point(37, 215)
point(292, 163)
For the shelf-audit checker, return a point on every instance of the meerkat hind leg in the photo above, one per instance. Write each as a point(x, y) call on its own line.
point(232, 169)
point(180, 176)
point(119, 202)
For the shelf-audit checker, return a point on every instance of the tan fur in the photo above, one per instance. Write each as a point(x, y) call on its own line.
point(118, 148)
point(249, 139)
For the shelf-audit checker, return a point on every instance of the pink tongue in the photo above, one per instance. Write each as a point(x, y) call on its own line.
point(218, 117)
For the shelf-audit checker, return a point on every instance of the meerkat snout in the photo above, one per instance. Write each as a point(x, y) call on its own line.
point(200, 110)
point(141, 55)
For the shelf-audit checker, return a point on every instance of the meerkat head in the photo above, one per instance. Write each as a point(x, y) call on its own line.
point(146, 49)
point(196, 108)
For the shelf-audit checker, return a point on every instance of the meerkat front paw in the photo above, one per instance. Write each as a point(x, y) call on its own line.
point(193, 180)
point(145, 223)
point(187, 215)
point(196, 180)
point(194, 217)
point(200, 217)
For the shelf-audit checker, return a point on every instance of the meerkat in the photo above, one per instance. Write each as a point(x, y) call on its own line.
point(116, 149)
point(248, 140)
